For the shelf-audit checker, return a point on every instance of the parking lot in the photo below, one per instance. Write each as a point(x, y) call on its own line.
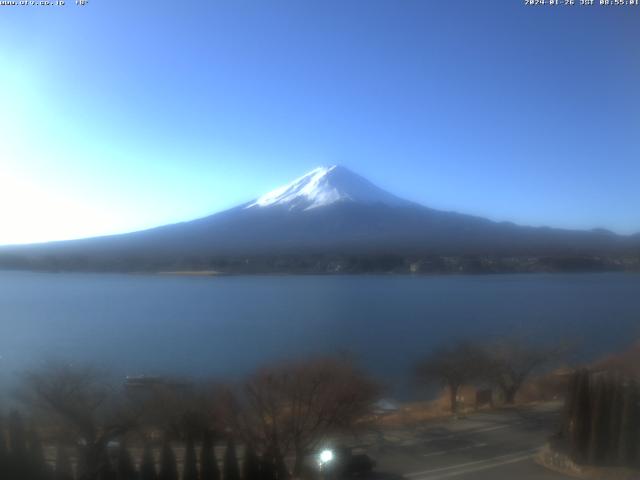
point(484, 445)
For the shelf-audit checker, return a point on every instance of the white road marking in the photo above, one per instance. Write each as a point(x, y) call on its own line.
point(455, 450)
point(470, 432)
point(399, 442)
point(482, 467)
point(506, 457)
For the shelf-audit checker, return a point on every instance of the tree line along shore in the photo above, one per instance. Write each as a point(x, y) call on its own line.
point(324, 263)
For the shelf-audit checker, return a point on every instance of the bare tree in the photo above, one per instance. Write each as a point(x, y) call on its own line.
point(180, 409)
point(83, 403)
point(293, 407)
point(511, 361)
point(453, 366)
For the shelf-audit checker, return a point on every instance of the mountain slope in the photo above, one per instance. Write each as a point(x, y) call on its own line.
point(329, 211)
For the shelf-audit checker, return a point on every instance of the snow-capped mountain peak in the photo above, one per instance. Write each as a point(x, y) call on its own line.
point(324, 186)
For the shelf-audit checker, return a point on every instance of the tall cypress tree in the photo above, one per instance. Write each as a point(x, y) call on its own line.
point(251, 464)
point(18, 455)
point(230, 466)
point(82, 464)
point(125, 466)
point(190, 466)
point(267, 466)
point(63, 465)
point(17, 435)
point(570, 401)
point(615, 419)
point(581, 422)
point(629, 442)
point(600, 421)
point(37, 463)
point(208, 463)
point(273, 466)
point(282, 472)
point(107, 470)
point(148, 465)
point(168, 466)
point(4, 457)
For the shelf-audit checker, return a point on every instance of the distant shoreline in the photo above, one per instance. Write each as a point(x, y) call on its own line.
point(217, 274)
point(192, 273)
point(327, 264)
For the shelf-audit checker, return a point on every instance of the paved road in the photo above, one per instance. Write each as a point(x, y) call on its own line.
point(496, 445)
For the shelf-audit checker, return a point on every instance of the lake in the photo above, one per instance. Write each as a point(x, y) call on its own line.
point(225, 326)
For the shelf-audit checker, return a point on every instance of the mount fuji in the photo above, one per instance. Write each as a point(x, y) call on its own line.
point(330, 212)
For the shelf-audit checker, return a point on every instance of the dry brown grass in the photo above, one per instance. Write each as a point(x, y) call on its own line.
point(627, 362)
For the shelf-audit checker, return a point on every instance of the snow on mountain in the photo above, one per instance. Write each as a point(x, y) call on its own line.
point(324, 186)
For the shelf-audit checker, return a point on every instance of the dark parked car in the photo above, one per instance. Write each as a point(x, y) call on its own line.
point(346, 464)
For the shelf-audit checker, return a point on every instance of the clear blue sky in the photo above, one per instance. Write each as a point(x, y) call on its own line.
point(123, 115)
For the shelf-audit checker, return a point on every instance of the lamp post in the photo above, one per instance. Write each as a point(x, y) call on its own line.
point(325, 458)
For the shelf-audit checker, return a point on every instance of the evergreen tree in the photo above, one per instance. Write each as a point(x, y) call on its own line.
point(107, 470)
point(63, 465)
point(615, 418)
point(273, 466)
point(82, 465)
point(230, 466)
point(4, 456)
point(17, 436)
point(168, 466)
point(282, 472)
point(570, 401)
point(267, 467)
point(629, 442)
point(148, 465)
point(190, 467)
point(208, 463)
point(581, 421)
point(125, 468)
point(251, 465)
point(18, 464)
point(37, 463)
point(600, 421)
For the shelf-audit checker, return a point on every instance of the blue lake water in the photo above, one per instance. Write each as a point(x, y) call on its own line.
point(226, 326)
